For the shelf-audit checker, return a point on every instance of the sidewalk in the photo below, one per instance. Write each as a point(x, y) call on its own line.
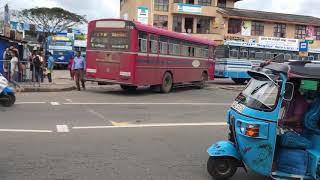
point(61, 82)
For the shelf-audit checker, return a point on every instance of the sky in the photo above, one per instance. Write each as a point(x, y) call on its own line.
point(94, 9)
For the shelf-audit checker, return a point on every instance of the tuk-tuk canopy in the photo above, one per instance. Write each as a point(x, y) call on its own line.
point(306, 70)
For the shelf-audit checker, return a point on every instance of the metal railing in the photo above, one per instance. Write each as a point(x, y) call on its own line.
point(26, 73)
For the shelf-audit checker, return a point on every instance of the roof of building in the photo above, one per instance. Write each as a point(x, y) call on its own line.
point(270, 16)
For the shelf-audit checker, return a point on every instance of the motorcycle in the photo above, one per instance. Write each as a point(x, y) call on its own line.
point(7, 94)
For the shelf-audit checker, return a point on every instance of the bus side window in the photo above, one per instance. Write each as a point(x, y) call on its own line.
point(234, 52)
point(184, 49)
point(192, 50)
point(206, 52)
point(163, 45)
point(260, 54)
point(244, 53)
point(154, 44)
point(252, 53)
point(142, 37)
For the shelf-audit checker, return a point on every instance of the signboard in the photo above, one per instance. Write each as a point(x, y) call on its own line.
point(67, 48)
point(290, 44)
point(303, 46)
point(189, 8)
point(246, 28)
point(310, 33)
point(143, 14)
point(259, 45)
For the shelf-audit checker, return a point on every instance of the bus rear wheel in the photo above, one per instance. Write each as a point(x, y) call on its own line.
point(202, 83)
point(167, 83)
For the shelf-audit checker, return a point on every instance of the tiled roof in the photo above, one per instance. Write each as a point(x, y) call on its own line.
point(270, 16)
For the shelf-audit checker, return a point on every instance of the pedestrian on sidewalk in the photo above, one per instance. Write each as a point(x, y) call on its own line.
point(14, 65)
point(37, 68)
point(6, 61)
point(70, 68)
point(50, 67)
point(79, 66)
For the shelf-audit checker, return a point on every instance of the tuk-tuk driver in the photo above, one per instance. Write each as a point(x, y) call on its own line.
point(296, 110)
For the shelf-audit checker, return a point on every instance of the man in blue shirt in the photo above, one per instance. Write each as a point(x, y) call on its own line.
point(50, 62)
point(79, 66)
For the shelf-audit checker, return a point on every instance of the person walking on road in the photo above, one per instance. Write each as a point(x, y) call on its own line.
point(37, 68)
point(6, 60)
point(79, 66)
point(50, 67)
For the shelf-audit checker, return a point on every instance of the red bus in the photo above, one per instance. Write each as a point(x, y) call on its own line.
point(132, 54)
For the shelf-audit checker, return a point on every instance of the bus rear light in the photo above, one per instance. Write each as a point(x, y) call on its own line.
point(91, 70)
point(125, 74)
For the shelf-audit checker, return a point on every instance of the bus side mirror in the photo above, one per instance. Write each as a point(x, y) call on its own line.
point(289, 89)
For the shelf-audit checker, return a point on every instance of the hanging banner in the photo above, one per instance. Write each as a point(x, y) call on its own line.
point(143, 14)
point(310, 33)
point(189, 8)
point(246, 28)
point(279, 42)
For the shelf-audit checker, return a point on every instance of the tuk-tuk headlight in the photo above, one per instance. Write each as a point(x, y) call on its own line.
point(252, 131)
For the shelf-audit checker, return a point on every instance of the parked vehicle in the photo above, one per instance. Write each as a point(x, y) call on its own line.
point(258, 138)
point(7, 95)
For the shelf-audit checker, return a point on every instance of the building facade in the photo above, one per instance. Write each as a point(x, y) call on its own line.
point(220, 21)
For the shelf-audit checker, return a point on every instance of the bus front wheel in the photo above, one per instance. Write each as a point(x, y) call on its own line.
point(167, 83)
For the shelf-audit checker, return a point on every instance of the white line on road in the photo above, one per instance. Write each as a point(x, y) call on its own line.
point(30, 103)
point(55, 103)
point(153, 125)
point(62, 128)
point(128, 103)
point(25, 130)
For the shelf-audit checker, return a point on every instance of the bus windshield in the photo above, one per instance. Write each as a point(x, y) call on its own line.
point(118, 40)
point(260, 95)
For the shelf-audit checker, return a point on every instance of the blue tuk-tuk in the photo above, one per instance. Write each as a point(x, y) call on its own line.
point(259, 138)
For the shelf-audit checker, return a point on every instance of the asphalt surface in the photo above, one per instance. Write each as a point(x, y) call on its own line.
point(105, 133)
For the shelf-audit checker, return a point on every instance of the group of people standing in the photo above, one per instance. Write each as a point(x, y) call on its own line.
point(11, 63)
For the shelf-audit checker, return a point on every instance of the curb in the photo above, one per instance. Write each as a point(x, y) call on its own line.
point(46, 89)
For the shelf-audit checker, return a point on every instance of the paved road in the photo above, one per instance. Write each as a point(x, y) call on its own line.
point(104, 133)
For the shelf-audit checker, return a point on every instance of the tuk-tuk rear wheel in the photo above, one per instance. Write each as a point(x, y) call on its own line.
point(221, 168)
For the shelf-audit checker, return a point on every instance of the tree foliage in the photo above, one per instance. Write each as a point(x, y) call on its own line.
point(52, 20)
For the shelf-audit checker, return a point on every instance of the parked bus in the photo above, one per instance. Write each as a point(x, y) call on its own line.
point(61, 48)
point(132, 54)
point(234, 59)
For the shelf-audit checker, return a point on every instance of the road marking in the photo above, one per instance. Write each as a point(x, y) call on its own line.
point(128, 103)
point(62, 128)
point(119, 123)
point(25, 130)
point(153, 125)
point(69, 100)
point(55, 103)
point(30, 103)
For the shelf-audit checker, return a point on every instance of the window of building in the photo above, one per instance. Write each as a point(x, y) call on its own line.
point(301, 32)
point(178, 1)
point(163, 45)
point(188, 25)
point(317, 30)
point(279, 30)
point(222, 3)
point(234, 26)
point(257, 28)
point(177, 23)
point(160, 21)
point(161, 5)
point(142, 37)
point(154, 44)
point(204, 2)
point(203, 26)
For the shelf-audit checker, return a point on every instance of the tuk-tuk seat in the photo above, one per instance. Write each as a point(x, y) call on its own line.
point(312, 117)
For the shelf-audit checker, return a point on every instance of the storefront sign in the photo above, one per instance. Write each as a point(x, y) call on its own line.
point(143, 14)
point(189, 8)
point(262, 46)
point(279, 42)
point(246, 28)
point(234, 38)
